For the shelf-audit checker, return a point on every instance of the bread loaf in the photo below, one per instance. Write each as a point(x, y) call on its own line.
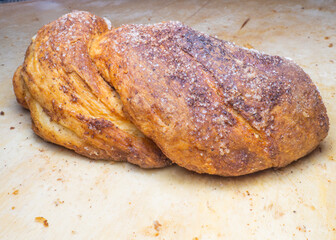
point(211, 106)
point(131, 93)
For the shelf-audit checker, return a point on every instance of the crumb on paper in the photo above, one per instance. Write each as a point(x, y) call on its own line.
point(195, 238)
point(330, 45)
point(16, 192)
point(301, 229)
point(11, 128)
point(249, 46)
point(42, 220)
point(58, 202)
point(326, 38)
point(13, 207)
point(157, 225)
point(73, 232)
point(2, 113)
point(244, 24)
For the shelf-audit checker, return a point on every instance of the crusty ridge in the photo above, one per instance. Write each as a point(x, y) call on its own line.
point(256, 85)
point(70, 102)
point(210, 105)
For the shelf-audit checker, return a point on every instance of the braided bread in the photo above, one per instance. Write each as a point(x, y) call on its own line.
point(128, 93)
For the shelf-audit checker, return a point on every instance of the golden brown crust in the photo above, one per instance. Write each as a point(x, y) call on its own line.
point(70, 102)
point(18, 86)
point(211, 106)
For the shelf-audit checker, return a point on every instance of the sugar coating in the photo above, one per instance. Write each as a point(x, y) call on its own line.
point(209, 104)
point(245, 80)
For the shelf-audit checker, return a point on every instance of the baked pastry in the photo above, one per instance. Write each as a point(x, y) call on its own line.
point(210, 105)
point(70, 103)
